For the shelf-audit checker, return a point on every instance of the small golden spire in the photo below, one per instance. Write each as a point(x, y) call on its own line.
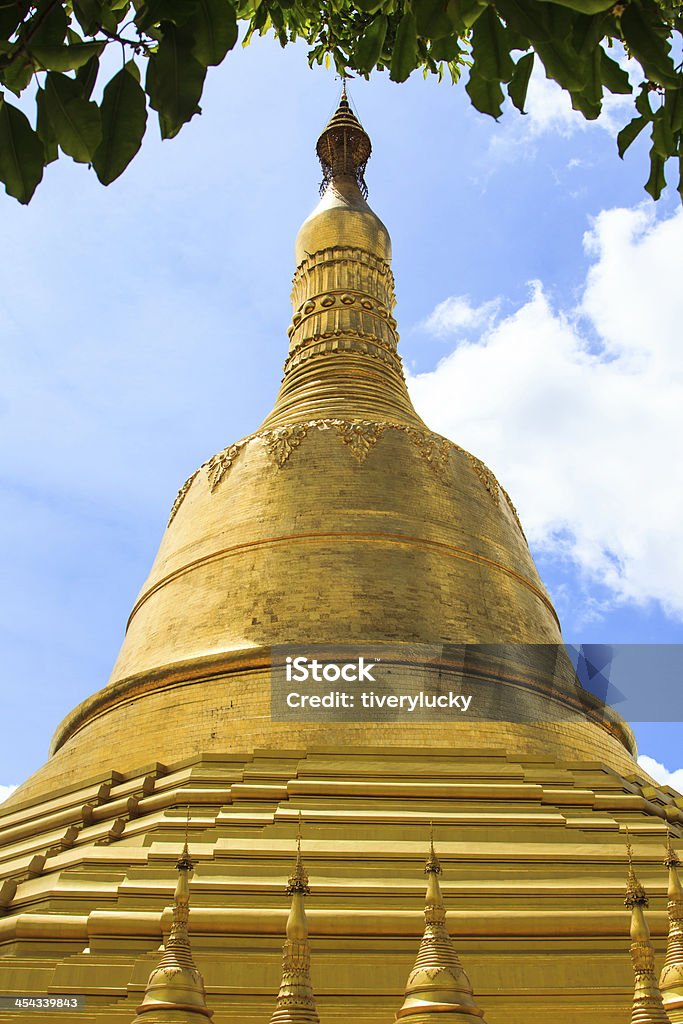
point(298, 880)
point(433, 865)
point(175, 990)
point(671, 978)
point(295, 1002)
point(438, 990)
point(635, 893)
point(648, 1007)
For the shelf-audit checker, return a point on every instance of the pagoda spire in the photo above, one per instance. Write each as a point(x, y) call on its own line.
point(343, 361)
point(295, 1002)
point(671, 978)
point(175, 990)
point(648, 1007)
point(438, 990)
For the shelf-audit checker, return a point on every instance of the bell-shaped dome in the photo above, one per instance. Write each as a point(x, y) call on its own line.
point(343, 518)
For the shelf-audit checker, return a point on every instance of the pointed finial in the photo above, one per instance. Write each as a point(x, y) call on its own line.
point(671, 979)
point(672, 860)
point(184, 863)
point(344, 147)
point(295, 1002)
point(433, 865)
point(647, 1007)
point(437, 982)
point(635, 893)
point(298, 880)
point(175, 986)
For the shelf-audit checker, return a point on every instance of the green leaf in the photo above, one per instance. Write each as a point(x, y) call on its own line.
point(643, 103)
point(589, 99)
point(10, 16)
point(647, 40)
point(517, 41)
point(432, 18)
point(656, 183)
point(87, 76)
point(630, 133)
point(124, 118)
point(153, 12)
point(18, 74)
point(673, 105)
point(404, 56)
point(174, 81)
point(613, 76)
point(587, 106)
point(446, 48)
point(464, 13)
point(21, 153)
point(565, 66)
point(369, 6)
point(584, 6)
point(486, 96)
point(588, 30)
point(371, 43)
point(663, 139)
point(215, 31)
point(519, 83)
point(51, 21)
point(90, 15)
point(527, 17)
point(562, 22)
point(44, 129)
point(66, 58)
point(490, 48)
point(75, 121)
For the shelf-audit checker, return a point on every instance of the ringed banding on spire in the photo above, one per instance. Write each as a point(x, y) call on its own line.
point(343, 340)
point(648, 1007)
point(295, 1002)
point(671, 978)
point(175, 990)
point(438, 989)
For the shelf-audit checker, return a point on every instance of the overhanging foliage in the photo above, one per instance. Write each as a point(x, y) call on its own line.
point(54, 48)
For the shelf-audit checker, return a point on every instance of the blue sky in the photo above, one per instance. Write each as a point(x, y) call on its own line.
point(144, 328)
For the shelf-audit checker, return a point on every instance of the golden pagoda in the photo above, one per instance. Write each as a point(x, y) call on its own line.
point(671, 980)
point(438, 988)
point(648, 1007)
point(175, 990)
point(295, 1001)
point(343, 517)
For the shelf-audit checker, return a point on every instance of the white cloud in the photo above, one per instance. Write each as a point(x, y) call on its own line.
point(661, 774)
point(580, 410)
point(457, 313)
point(6, 791)
point(549, 109)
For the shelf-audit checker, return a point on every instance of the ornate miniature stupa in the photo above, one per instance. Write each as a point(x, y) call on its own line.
point(343, 517)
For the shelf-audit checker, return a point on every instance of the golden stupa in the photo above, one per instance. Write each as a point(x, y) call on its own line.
point(343, 518)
